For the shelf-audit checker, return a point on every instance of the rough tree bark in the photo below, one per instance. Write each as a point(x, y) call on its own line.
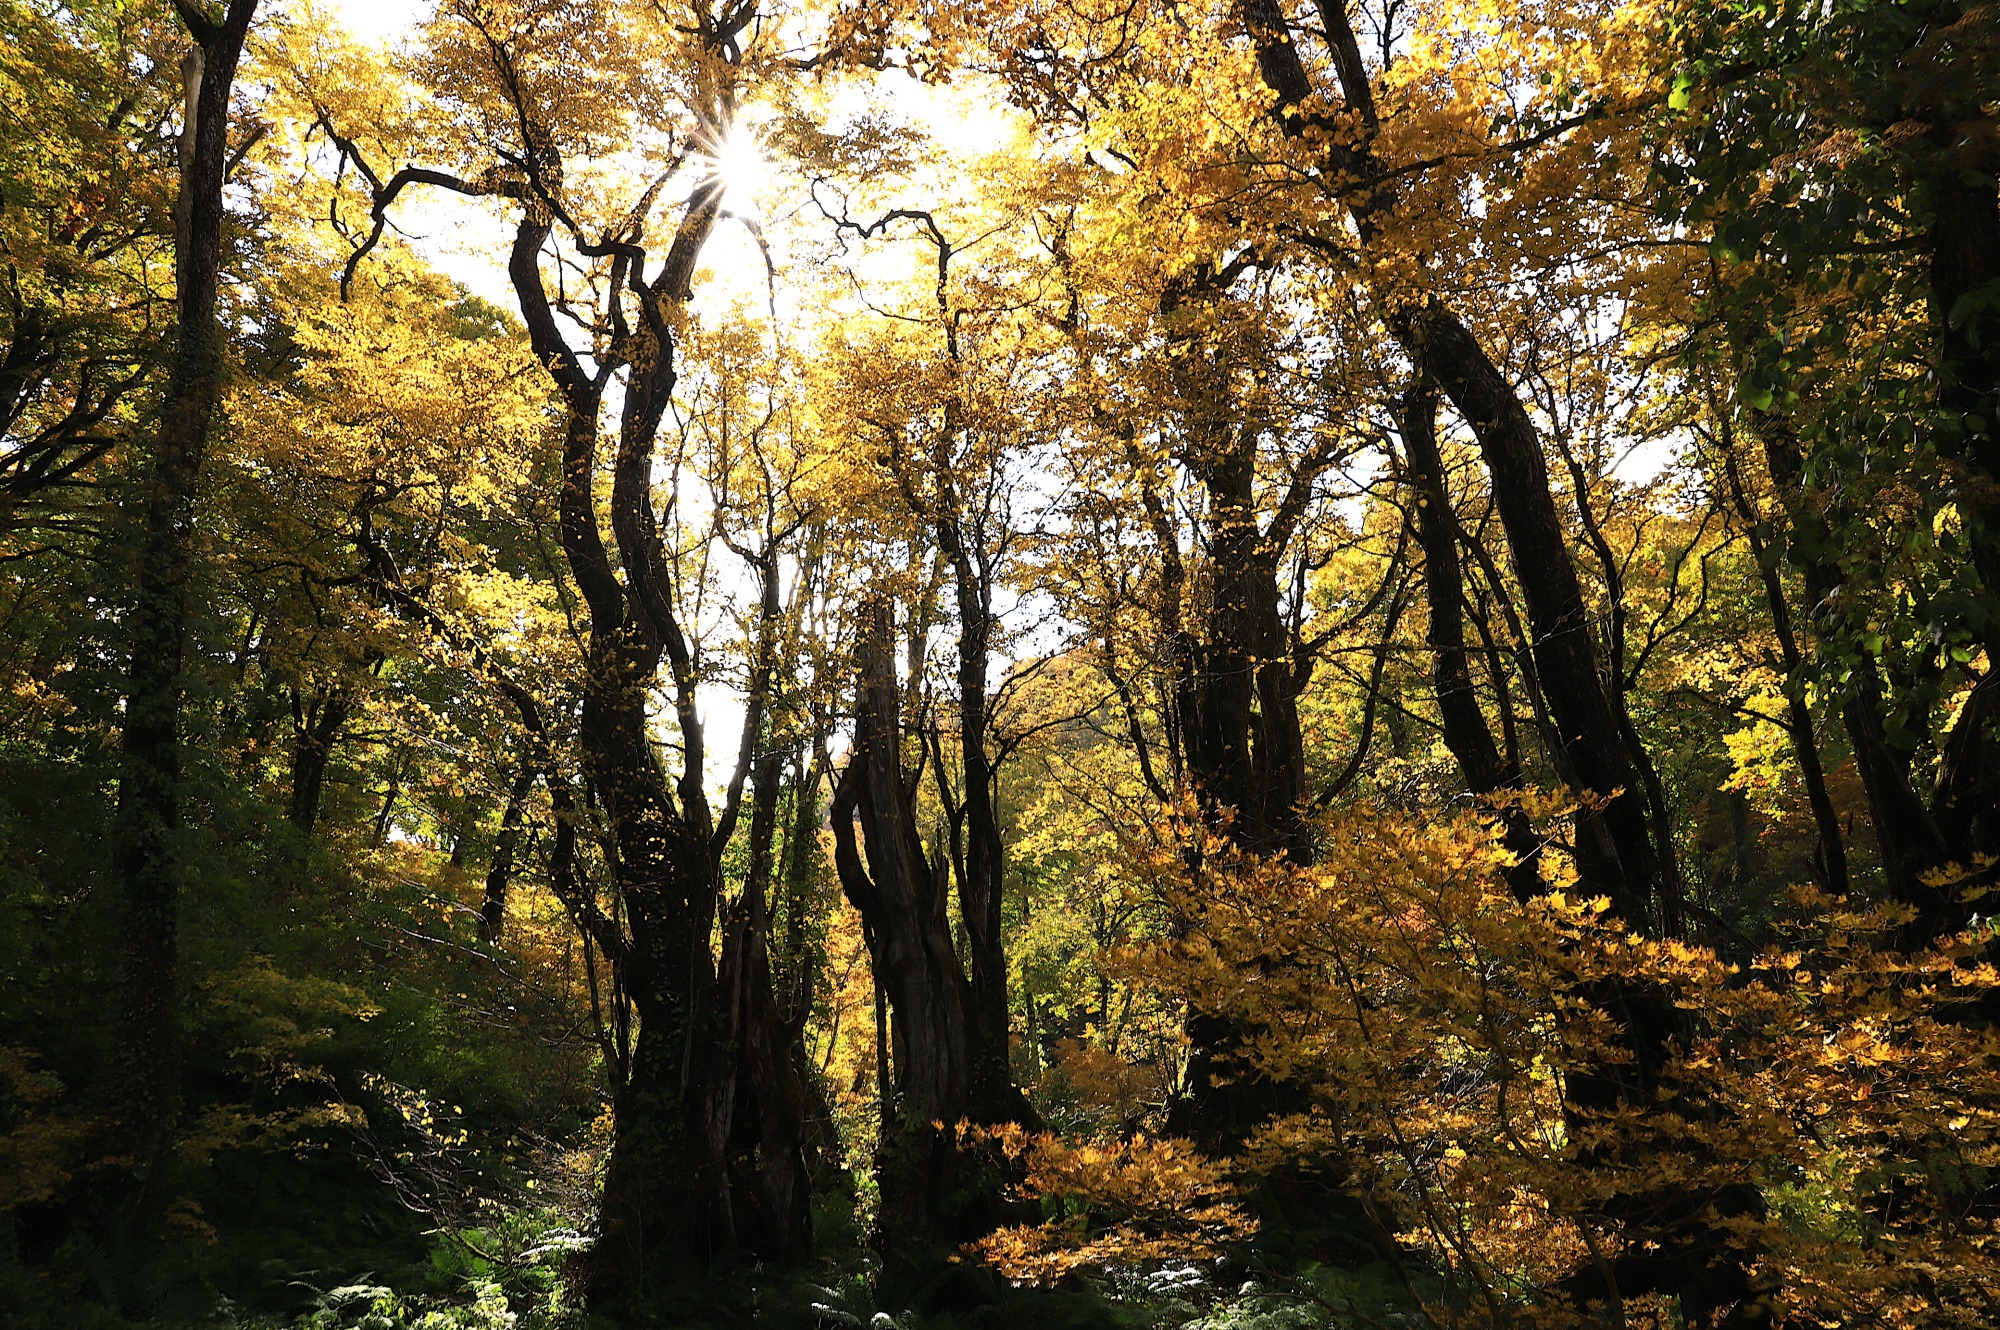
point(936, 1194)
point(705, 1170)
point(705, 1166)
point(1689, 1254)
point(145, 1074)
point(1240, 676)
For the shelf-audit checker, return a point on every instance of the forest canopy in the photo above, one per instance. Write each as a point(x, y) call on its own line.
point(1108, 663)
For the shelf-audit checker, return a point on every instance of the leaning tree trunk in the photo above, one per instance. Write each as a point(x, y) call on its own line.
point(1480, 762)
point(1615, 847)
point(1686, 1252)
point(145, 1078)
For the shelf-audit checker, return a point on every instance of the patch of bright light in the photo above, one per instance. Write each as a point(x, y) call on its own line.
point(739, 163)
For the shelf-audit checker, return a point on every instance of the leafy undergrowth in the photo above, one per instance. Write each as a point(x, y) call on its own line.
point(511, 1274)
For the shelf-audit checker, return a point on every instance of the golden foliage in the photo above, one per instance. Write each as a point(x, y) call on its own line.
point(1126, 1201)
point(1434, 1019)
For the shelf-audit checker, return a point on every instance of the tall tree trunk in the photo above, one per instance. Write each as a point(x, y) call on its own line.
point(1466, 733)
point(980, 868)
point(1688, 1253)
point(667, 1215)
point(1232, 723)
point(935, 1195)
point(500, 870)
point(1964, 244)
point(705, 1169)
point(770, 1100)
point(145, 1076)
point(1237, 697)
point(316, 727)
point(1615, 848)
point(1965, 274)
point(798, 954)
point(1684, 1250)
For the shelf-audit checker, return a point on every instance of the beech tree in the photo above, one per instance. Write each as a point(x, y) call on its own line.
point(707, 1164)
point(147, 1091)
point(1093, 664)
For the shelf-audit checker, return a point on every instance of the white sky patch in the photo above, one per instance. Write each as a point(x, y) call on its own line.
point(380, 21)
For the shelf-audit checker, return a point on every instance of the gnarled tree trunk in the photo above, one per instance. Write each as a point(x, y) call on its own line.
point(936, 1195)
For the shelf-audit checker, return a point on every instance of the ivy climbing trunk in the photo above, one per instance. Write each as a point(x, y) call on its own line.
point(145, 1078)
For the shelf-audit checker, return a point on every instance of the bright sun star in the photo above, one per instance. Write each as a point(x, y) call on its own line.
point(739, 164)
